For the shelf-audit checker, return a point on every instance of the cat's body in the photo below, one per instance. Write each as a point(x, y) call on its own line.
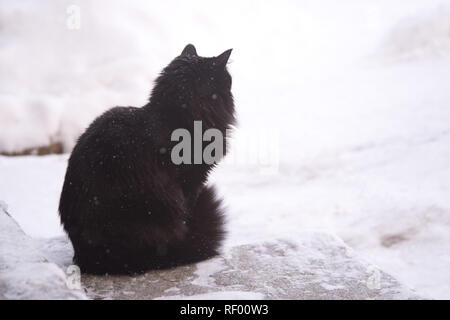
point(125, 205)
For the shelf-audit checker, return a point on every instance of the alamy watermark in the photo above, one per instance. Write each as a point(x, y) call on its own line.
point(374, 280)
point(258, 147)
point(73, 20)
point(73, 281)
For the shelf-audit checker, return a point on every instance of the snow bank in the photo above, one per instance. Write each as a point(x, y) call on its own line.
point(58, 75)
point(419, 37)
point(55, 79)
point(24, 272)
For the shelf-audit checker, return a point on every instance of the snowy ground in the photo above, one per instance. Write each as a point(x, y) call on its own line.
point(26, 273)
point(355, 107)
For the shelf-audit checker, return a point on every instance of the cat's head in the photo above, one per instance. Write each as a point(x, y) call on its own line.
point(209, 73)
point(194, 82)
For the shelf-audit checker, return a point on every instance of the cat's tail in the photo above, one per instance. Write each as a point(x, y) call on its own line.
point(206, 227)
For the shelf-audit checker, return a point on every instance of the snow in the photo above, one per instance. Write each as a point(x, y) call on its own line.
point(420, 38)
point(348, 103)
point(31, 187)
point(62, 77)
point(24, 271)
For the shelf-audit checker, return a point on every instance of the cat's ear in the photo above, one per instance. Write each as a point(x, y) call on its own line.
point(223, 58)
point(189, 50)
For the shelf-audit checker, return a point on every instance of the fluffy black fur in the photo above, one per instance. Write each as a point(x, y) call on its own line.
point(125, 206)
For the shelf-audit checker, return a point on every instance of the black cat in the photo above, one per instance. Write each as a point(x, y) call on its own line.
point(125, 205)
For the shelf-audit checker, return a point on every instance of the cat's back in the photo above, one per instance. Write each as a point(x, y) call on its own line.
point(107, 157)
point(116, 146)
point(112, 135)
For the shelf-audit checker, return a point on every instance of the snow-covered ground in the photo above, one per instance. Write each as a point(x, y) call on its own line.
point(352, 100)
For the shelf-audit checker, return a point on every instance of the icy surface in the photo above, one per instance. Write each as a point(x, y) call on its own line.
point(24, 271)
point(313, 266)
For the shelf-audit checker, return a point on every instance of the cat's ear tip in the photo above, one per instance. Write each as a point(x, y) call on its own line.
point(223, 58)
point(228, 52)
point(189, 49)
